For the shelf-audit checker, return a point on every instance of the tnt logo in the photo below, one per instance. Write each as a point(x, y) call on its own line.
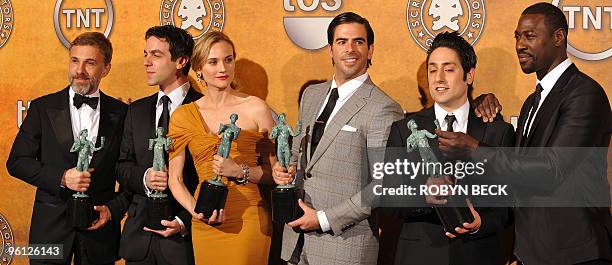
point(309, 32)
point(6, 21)
point(195, 16)
point(72, 18)
point(590, 27)
point(428, 18)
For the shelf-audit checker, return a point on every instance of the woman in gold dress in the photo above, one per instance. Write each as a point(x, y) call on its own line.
point(239, 234)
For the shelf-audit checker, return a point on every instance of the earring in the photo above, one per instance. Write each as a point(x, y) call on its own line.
point(199, 75)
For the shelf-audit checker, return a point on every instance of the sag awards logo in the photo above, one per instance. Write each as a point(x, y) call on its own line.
point(309, 32)
point(6, 24)
point(7, 241)
point(590, 36)
point(427, 18)
point(195, 16)
point(72, 18)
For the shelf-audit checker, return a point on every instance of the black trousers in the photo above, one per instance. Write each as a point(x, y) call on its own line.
point(78, 252)
point(154, 256)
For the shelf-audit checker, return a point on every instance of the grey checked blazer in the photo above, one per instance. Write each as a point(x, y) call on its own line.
point(334, 175)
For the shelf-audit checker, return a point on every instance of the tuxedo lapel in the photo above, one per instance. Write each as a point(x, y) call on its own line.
point(59, 117)
point(344, 114)
point(148, 127)
point(109, 121)
point(191, 96)
point(520, 138)
point(475, 127)
point(549, 105)
point(425, 121)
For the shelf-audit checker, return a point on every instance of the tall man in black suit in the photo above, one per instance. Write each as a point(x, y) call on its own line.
point(451, 63)
point(167, 61)
point(567, 109)
point(41, 157)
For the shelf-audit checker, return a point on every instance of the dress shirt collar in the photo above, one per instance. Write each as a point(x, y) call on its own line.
point(551, 78)
point(176, 96)
point(461, 114)
point(349, 87)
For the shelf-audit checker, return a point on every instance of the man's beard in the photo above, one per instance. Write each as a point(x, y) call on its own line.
point(84, 89)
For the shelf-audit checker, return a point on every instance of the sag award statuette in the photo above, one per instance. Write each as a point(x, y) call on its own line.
point(213, 192)
point(284, 198)
point(158, 206)
point(450, 216)
point(80, 207)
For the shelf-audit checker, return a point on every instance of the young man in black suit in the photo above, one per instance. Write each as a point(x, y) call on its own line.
point(167, 61)
point(567, 109)
point(41, 157)
point(451, 63)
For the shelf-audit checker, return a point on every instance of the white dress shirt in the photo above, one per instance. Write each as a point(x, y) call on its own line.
point(176, 100)
point(84, 117)
point(461, 114)
point(547, 84)
point(345, 91)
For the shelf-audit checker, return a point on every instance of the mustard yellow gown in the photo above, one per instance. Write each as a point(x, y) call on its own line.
point(244, 237)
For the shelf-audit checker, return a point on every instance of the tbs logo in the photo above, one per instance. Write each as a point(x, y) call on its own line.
point(309, 32)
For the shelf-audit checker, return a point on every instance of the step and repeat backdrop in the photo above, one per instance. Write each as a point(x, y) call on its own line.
point(281, 45)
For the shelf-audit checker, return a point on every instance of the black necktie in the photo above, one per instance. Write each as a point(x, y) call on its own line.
point(537, 95)
point(164, 119)
point(79, 99)
point(450, 119)
point(319, 126)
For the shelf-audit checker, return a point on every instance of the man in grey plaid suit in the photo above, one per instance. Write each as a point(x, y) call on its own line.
point(342, 117)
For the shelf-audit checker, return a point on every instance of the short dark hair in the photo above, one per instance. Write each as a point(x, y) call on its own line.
point(453, 41)
point(97, 40)
point(180, 41)
point(346, 18)
point(553, 16)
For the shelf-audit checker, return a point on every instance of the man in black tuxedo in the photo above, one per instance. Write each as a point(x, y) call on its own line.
point(567, 109)
point(167, 61)
point(41, 157)
point(451, 63)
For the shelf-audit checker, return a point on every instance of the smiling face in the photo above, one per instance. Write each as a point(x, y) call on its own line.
point(219, 67)
point(445, 78)
point(350, 51)
point(535, 44)
point(86, 68)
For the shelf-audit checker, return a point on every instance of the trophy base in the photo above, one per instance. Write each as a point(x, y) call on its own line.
point(158, 209)
point(211, 197)
point(285, 206)
point(452, 217)
point(80, 212)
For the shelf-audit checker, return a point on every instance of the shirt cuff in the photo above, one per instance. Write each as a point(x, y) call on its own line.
point(183, 230)
point(144, 183)
point(323, 222)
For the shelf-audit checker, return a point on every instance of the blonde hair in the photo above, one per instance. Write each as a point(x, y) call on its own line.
point(201, 50)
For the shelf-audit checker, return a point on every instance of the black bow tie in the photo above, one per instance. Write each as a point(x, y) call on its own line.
point(79, 99)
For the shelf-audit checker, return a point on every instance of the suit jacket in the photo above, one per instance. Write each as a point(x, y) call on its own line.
point(422, 239)
point(576, 113)
point(134, 159)
point(334, 174)
point(40, 155)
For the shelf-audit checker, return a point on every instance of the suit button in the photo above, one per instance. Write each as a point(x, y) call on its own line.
point(308, 175)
